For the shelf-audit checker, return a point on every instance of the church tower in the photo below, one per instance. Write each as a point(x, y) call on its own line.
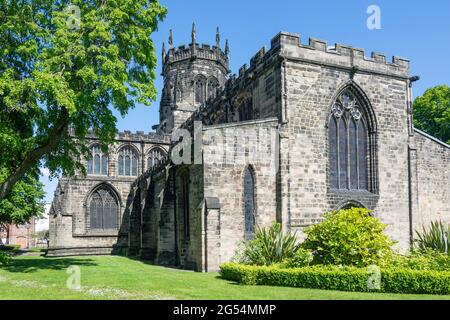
point(192, 74)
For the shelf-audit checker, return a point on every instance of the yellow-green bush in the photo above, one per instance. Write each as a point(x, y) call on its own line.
point(348, 237)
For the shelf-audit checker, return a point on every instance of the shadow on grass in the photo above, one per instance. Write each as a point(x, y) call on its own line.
point(32, 265)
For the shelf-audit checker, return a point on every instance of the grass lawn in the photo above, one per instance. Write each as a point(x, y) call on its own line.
point(104, 277)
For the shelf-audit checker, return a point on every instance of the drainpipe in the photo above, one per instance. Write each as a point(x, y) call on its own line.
point(411, 80)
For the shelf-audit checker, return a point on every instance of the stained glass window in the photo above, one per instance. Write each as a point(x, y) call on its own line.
point(332, 138)
point(200, 91)
point(103, 209)
point(127, 162)
point(98, 162)
point(347, 138)
point(155, 156)
point(249, 204)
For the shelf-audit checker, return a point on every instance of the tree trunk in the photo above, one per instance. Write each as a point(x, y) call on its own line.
point(54, 137)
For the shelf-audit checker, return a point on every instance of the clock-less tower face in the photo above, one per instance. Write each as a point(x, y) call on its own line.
point(192, 75)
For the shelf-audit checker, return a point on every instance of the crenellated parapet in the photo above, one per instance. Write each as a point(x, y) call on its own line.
point(142, 136)
point(194, 51)
point(339, 56)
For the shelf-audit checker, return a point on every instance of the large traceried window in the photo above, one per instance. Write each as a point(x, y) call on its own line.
point(249, 204)
point(98, 162)
point(348, 144)
point(103, 209)
point(155, 156)
point(127, 162)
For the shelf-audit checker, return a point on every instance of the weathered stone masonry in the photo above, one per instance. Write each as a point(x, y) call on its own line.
point(303, 129)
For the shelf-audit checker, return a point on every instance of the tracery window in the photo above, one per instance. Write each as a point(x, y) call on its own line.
point(348, 147)
point(103, 209)
point(155, 156)
point(249, 204)
point(127, 162)
point(97, 162)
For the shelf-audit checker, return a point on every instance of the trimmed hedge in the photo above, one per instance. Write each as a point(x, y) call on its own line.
point(10, 247)
point(339, 278)
point(4, 258)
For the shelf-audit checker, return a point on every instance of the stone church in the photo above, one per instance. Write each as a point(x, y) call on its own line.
point(302, 130)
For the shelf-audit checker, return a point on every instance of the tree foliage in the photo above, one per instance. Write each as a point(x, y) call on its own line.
point(23, 202)
point(432, 112)
point(64, 65)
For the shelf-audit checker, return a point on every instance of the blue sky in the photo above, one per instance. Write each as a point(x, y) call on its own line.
point(417, 30)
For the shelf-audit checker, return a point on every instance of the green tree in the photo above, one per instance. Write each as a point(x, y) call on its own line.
point(24, 202)
point(64, 66)
point(432, 112)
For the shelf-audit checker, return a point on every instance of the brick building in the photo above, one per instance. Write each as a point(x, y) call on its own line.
point(22, 235)
point(302, 130)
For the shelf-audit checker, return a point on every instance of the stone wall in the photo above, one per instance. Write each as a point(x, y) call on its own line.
point(430, 174)
point(192, 215)
point(227, 150)
point(69, 218)
point(312, 78)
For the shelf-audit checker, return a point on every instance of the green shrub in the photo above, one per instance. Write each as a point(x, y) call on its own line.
point(10, 247)
point(348, 237)
point(301, 258)
point(239, 255)
point(421, 260)
point(437, 238)
point(339, 278)
point(270, 246)
point(4, 258)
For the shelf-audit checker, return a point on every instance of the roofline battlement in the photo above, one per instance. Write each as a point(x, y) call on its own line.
point(199, 51)
point(195, 50)
point(340, 55)
point(142, 136)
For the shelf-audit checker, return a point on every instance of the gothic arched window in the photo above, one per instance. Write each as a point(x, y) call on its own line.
point(212, 88)
point(155, 156)
point(97, 162)
point(347, 138)
point(249, 204)
point(246, 110)
point(127, 162)
point(200, 90)
point(185, 205)
point(178, 95)
point(103, 209)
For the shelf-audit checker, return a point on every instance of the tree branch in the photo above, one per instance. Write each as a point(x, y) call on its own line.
point(36, 154)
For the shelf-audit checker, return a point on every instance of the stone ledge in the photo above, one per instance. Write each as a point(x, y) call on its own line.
point(78, 251)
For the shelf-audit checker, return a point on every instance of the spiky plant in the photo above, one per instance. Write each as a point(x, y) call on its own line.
point(271, 246)
point(436, 237)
